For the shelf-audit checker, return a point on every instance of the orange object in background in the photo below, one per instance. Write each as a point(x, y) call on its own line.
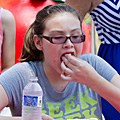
point(87, 43)
point(24, 12)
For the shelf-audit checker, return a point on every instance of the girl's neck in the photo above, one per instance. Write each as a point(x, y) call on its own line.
point(54, 79)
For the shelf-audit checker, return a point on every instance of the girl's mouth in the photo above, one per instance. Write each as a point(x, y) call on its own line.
point(71, 53)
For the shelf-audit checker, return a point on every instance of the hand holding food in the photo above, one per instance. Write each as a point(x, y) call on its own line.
point(77, 70)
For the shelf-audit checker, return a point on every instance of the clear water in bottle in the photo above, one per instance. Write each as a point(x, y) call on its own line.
point(32, 100)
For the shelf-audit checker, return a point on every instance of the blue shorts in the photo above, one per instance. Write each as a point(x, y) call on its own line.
point(111, 54)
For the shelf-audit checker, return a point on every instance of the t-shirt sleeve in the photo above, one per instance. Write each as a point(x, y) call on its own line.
point(100, 65)
point(14, 80)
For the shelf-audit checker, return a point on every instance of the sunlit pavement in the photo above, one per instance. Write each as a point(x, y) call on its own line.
point(6, 112)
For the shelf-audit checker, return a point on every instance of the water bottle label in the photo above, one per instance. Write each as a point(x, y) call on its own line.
point(33, 101)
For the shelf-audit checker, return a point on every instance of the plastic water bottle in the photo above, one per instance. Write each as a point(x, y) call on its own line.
point(32, 100)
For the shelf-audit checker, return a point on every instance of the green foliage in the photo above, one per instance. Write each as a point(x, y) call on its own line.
point(87, 19)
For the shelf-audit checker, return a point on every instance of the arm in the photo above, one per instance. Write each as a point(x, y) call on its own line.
point(108, 90)
point(8, 46)
point(82, 72)
point(3, 98)
point(82, 6)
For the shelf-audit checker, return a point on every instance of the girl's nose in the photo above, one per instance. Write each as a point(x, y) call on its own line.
point(68, 44)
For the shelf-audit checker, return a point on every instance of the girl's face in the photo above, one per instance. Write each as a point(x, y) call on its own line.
point(62, 24)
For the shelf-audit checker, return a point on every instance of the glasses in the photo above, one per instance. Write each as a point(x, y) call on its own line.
point(63, 39)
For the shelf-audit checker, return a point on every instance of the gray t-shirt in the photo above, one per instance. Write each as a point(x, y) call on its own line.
point(77, 100)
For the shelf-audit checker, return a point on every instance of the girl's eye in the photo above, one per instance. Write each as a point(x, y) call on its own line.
point(60, 37)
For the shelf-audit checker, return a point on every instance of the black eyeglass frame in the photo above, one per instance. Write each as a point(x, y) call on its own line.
point(50, 39)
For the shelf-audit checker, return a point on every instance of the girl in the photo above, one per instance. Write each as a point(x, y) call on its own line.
point(106, 15)
point(72, 83)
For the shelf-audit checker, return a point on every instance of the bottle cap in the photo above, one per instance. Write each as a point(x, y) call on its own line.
point(33, 78)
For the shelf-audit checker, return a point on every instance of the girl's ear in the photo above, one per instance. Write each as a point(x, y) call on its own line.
point(38, 42)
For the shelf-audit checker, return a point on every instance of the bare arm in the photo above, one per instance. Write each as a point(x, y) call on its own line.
point(3, 98)
point(108, 90)
point(82, 6)
point(8, 46)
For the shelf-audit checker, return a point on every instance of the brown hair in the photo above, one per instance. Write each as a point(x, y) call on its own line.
point(29, 50)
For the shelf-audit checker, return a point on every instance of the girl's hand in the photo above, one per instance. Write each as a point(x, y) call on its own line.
point(77, 70)
point(46, 117)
